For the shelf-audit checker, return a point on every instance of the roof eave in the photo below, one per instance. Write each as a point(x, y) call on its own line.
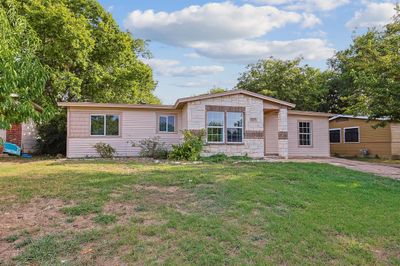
point(114, 105)
point(182, 101)
point(310, 113)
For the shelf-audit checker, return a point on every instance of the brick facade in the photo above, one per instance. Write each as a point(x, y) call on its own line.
point(14, 134)
point(283, 143)
point(253, 142)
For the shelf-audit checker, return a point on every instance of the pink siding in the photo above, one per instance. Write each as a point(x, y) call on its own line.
point(185, 117)
point(271, 133)
point(320, 129)
point(135, 125)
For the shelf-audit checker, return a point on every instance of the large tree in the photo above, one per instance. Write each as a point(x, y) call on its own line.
point(22, 76)
point(288, 80)
point(369, 71)
point(89, 57)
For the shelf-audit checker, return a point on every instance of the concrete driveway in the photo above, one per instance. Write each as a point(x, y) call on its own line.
point(367, 167)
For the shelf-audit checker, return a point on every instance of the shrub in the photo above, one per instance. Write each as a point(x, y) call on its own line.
point(53, 135)
point(221, 157)
point(191, 147)
point(104, 150)
point(152, 148)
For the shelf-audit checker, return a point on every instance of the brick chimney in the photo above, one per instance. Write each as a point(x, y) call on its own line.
point(14, 135)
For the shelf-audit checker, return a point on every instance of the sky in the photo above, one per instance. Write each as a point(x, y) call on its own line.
point(199, 45)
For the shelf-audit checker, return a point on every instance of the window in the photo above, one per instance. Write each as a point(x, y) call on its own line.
point(335, 135)
point(305, 134)
point(166, 123)
point(104, 125)
point(215, 127)
point(234, 127)
point(352, 135)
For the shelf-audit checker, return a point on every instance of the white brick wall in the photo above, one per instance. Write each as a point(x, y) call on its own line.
point(283, 119)
point(283, 144)
point(196, 115)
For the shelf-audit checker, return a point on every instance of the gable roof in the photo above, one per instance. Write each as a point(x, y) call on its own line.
point(181, 101)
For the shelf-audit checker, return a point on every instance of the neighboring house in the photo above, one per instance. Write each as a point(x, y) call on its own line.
point(23, 135)
point(357, 136)
point(236, 122)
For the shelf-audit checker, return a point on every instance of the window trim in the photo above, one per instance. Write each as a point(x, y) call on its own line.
point(223, 128)
point(104, 125)
point(226, 128)
point(311, 134)
point(340, 135)
point(158, 123)
point(359, 135)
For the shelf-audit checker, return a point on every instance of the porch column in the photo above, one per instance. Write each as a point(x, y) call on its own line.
point(283, 142)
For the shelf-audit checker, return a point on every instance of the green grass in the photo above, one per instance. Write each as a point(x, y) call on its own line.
point(221, 157)
point(105, 219)
point(205, 214)
point(82, 209)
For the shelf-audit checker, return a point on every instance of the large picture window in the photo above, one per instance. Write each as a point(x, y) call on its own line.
point(104, 125)
point(334, 135)
point(234, 127)
point(166, 123)
point(352, 135)
point(215, 127)
point(305, 133)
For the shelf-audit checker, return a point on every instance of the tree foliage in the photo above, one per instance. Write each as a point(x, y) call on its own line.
point(216, 90)
point(288, 80)
point(22, 76)
point(89, 57)
point(369, 71)
point(53, 135)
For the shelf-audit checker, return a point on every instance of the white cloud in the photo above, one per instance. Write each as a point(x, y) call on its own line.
point(194, 84)
point(310, 20)
point(308, 5)
point(271, 2)
point(210, 22)
point(375, 14)
point(165, 67)
point(228, 32)
point(317, 34)
point(247, 51)
point(192, 55)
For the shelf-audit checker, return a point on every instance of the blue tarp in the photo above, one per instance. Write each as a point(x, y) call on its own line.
point(11, 148)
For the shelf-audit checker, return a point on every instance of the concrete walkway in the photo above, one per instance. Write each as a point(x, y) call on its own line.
point(367, 167)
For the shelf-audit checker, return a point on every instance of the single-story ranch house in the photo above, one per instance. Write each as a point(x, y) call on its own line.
point(358, 136)
point(236, 122)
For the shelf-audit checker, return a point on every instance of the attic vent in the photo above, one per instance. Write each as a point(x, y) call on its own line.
point(253, 119)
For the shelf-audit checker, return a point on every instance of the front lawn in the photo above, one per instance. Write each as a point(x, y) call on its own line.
point(135, 212)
